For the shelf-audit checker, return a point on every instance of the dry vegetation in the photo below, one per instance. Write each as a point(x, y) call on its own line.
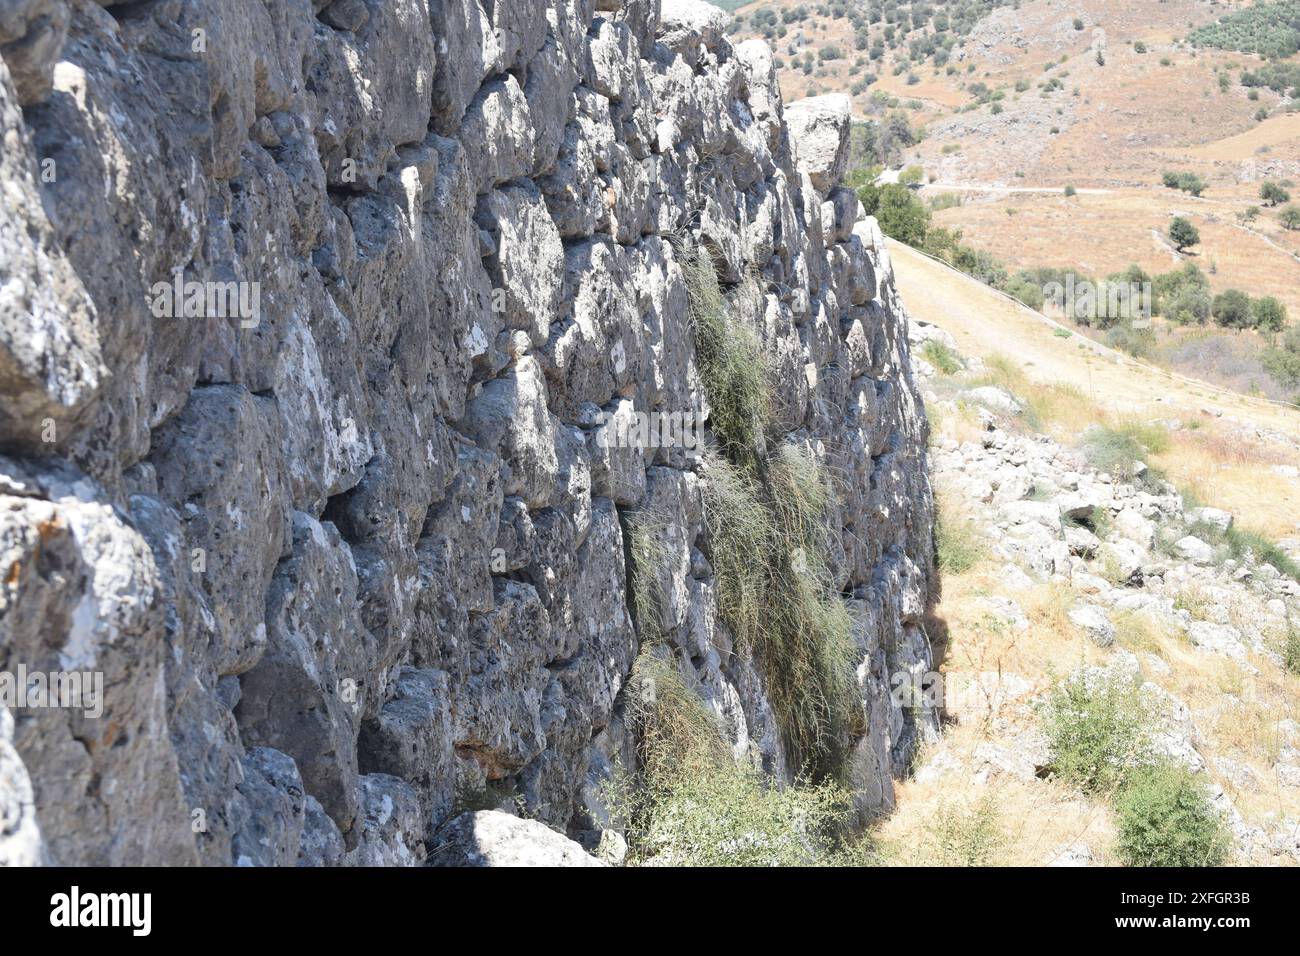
point(1226, 449)
point(1023, 110)
point(1024, 107)
point(998, 675)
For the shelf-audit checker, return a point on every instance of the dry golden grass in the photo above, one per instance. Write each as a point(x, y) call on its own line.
point(1281, 133)
point(1261, 499)
point(960, 422)
point(1069, 387)
point(1102, 234)
point(1140, 631)
point(953, 819)
point(1237, 712)
point(966, 813)
point(1026, 823)
point(1227, 448)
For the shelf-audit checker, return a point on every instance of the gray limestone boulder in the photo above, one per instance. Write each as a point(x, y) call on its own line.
point(490, 838)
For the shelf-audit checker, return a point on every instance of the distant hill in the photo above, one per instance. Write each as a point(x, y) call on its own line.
point(1271, 29)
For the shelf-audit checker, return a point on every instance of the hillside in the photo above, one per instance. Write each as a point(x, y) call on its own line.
point(1143, 591)
point(470, 433)
point(1104, 98)
point(414, 450)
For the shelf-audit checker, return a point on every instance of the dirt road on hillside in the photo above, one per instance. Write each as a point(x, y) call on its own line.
point(1229, 448)
point(984, 322)
point(997, 188)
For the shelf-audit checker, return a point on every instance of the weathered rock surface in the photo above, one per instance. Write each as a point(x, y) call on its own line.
point(337, 528)
point(492, 838)
point(1126, 561)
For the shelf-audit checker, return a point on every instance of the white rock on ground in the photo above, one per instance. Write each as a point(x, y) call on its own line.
point(489, 838)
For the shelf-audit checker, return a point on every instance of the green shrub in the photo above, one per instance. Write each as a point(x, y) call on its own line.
point(1231, 309)
point(1117, 449)
point(1283, 362)
point(1183, 234)
point(1098, 728)
point(1291, 650)
point(1022, 288)
point(1241, 541)
point(942, 357)
point(1188, 305)
point(945, 201)
point(733, 365)
point(1166, 819)
point(692, 804)
point(1187, 182)
point(911, 176)
point(1273, 194)
point(968, 836)
point(959, 544)
point(901, 215)
point(1138, 342)
point(735, 817)
point(1183, 294)
point(1267, 314)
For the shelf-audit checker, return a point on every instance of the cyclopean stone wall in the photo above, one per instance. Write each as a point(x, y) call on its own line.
point(350, 558)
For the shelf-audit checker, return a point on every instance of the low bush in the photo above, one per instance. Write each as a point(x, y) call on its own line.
point(1241, 542)
point(968, 836)
point(1291, 650)
point(692, 804)
point(959, 544)
point(1137, 342)
point(1117, 449)
point(1098, 728)
point(1165, 818)
point(942, 357)
point(1187, 182)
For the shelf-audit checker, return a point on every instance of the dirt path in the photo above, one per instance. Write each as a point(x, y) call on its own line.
point(985, 322)
point(997, 188)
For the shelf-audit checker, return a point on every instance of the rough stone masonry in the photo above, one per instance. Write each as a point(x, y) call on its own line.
point(353, 560)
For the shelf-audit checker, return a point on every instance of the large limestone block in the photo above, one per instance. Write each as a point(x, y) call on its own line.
point(50, 361)
point(31, 35)
point(686, 25)
point(492, 838)
point(819, 128)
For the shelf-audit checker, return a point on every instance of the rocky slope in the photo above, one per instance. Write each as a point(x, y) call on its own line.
point(349, 554)
point(1095, 571)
